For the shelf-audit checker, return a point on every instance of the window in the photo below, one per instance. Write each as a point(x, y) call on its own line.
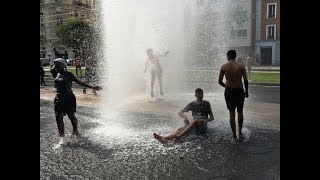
point(239, 33)
point(212, 2)
point(244, 14)
point(232, 34)
point(242, 33)
point(41, 10)
point(271, 10)
point(271, 31)
point(200, 2)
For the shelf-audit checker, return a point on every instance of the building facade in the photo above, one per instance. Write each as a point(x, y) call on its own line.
point(53, 13)
point(219, 25)
point(267, 32)
point(241, 22)
point(251, 27)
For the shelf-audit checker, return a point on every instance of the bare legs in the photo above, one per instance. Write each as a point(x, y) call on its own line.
point(153, 77)
point(249, 74)
point(74, 122)
point(233, 123)
point(184, 131)
point(168, 137)
point(176, 134)
point(232, 114)
point(160, 83)
point(240, 122)
point(60, 123)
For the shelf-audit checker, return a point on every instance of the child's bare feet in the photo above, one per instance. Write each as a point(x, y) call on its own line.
point(159, 138)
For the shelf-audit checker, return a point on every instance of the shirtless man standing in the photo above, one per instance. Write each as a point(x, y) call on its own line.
point(234, 93)
point(156, 69)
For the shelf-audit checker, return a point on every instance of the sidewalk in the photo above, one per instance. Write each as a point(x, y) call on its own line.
point(265, 69)
point(254, 68)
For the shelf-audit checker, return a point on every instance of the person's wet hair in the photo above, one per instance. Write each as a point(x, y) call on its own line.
point(149, 50)
point(198, 90)
point(231, 54)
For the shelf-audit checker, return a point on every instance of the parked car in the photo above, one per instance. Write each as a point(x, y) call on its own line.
point(70, 62)
point(44, 61)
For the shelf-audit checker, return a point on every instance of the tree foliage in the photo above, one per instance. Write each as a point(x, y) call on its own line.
point(76, 34)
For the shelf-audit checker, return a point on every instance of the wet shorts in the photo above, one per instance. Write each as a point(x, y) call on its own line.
point(201, 129)
point(234, 98)
point(65, 104)
point(156, 70)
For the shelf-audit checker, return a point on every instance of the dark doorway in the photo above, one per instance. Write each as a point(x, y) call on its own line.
point(266, 55)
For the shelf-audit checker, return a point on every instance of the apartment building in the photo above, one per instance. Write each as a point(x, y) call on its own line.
point(219, 25)
point(267, 32)
point(241, 23)
point(253, 27)
point(53, 13)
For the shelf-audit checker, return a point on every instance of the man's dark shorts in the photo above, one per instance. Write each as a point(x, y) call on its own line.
point(234, 98)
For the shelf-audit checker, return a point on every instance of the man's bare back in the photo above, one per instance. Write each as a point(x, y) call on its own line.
point(234, 93)
point(234, 72)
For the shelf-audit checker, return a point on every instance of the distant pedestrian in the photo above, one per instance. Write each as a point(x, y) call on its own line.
point(78, 65)
point(65, 62)
point(240, 60)
point(91, 73)
point(42, 73)
point(249, 62)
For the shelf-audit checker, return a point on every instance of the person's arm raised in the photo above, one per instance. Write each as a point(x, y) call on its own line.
point(163, 55)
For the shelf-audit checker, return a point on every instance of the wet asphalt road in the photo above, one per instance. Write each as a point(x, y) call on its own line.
point(123, 147)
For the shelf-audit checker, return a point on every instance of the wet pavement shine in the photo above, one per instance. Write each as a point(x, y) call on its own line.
point(121, 145)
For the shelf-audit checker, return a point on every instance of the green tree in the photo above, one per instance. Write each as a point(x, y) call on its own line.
point(78, 35)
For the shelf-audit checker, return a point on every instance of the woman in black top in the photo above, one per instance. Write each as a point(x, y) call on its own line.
point(65, 101)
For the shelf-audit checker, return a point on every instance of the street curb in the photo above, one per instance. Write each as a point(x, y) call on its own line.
point(265, 84)
point(50, 80)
